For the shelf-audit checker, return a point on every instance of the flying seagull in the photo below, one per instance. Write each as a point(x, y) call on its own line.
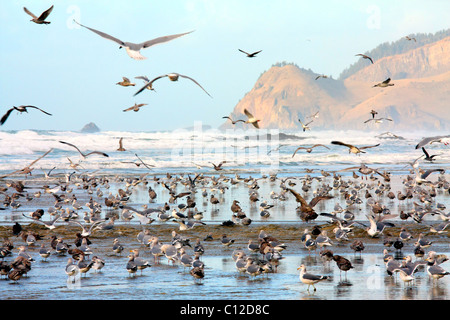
point(172, 77)
point(352, 148)
point(384, 84)
point(427, 156)
point(315, 115)
point(250, 55)
point(135, 108)
point(27, 169)
point(408, 38)
point(442, 139)
point(84, 155)
point(364, 56)
point(309, 150)
point(377, 120)
point(20, 109)
point(373, 113)
point(233, 121)
point(126, 82)
point(305, 126)
point(321, 76)
point(133, 49)
point(251, 119)
point(121, 148)
point(41, 18)
point(146, 79)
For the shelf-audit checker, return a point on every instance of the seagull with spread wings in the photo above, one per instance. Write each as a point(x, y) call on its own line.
point(84, 155)
point(135, 108)
point(306, 209)
point(441, 139)
point(20, 109)
point(364, 56)
point(41, 18)
point(146, 80)
point(172, 77)
point(121, 148)
point(251, 119)
point(352, 148)
point(27, 169)
point(49, 224)
point(309, 150)
point(385, 83)
point(378, 120)
point(305, 126)
point(133, 49)
point(250, 55)
point(126, 82)
point(233, 121)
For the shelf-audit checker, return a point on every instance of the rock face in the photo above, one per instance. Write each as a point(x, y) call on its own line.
point(90, 128)
point(419, 99)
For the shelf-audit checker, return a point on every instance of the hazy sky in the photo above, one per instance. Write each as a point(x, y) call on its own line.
point(72, 73)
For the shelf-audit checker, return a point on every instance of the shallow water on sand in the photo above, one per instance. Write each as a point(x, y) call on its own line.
point(367, 281)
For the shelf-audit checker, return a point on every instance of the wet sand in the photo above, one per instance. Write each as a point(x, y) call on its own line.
point(222, 280)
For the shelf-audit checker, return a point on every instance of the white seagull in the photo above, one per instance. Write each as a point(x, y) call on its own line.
point(133, 49)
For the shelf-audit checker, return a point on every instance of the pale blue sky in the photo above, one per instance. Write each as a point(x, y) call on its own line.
point(72, 72)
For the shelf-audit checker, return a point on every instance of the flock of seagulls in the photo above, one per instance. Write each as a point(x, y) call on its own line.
point(264, 253)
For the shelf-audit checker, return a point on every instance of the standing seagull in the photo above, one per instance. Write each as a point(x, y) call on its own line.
point(364, 56)
point(384, 84)
point(251, 119)
point(42, 17)
point(133, 49)
point(84, 155)
point(308, 278)
point(250, 55)
point(20, 109)
point(172, 77)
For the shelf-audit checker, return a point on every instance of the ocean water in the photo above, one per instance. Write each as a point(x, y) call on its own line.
point(252, 151)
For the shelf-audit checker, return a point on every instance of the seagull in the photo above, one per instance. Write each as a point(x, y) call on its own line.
point(126, 82)
point(373, 113)
point(218, 166)
point(42, 17)
point(84, 155)
point(233, 121)
point(409, 38)
point(133, 49)
point(121, 148)
point(306, 209)
point(384, 84)
point(315, 115)
point(305, 126)
point(49, 224)
point(308, 278)
point(364, 56)
point(20, 109)
point(321, 76)
point(250, 55)
point(146, 80)
point(427, 156)
point(251, 119)
point(172, 77)
point(441, 139)
point(352, 148)
point(87, 232)
point(309, 150)
point(27, 169)
point(377, 120)
point(136, 107)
